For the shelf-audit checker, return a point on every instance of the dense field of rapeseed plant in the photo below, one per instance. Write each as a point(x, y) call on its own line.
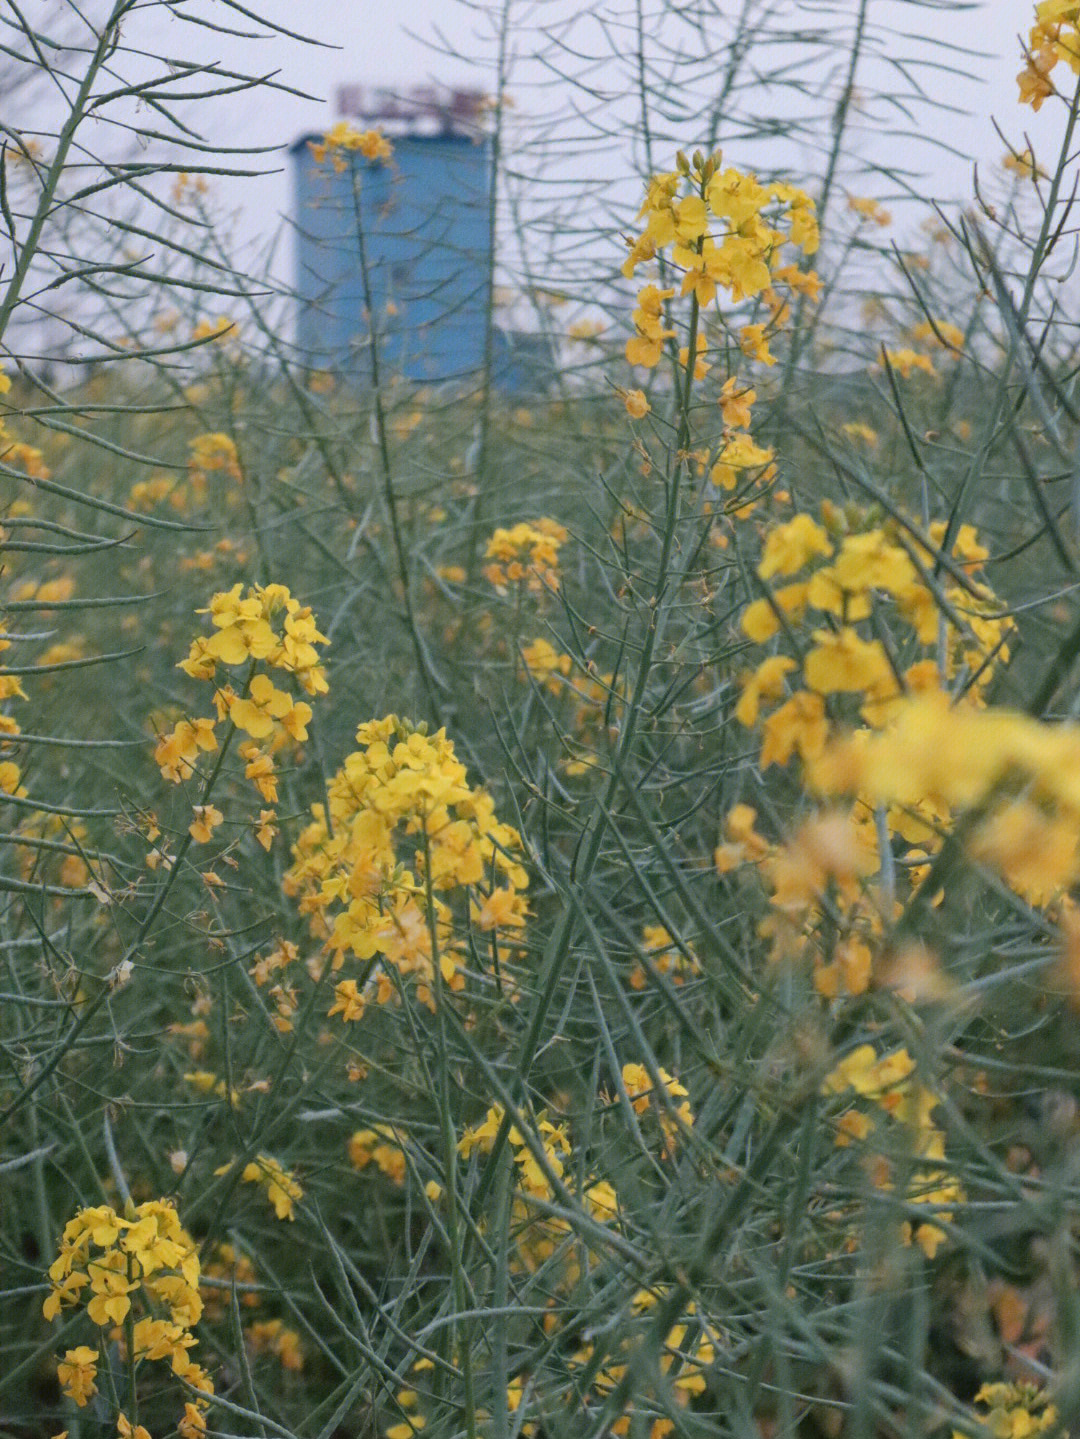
point(550, 915)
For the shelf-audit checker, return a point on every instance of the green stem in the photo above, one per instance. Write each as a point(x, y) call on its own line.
point(129, 1345)
point(486, 385)
point(106, 43)
point(458, 1333)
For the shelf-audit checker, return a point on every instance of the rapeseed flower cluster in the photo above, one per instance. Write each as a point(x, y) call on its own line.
point(345, 139)
point(937, 331)
point(45, 591)
point(668, 1099)
point(869, 209)
point(1013, 775)
point(906, 361)
point(1054, 37)
point(686, 1353)
point(820, 906)
point(77, 1372)
point(525, 555)
point(725, 231)
point(266, 626)
point(379, 1146)
point(187, 188)
point(534, 1176)
point(861, 570)
point(951, 635)
point(665, 955)
point(16, 453)
point(1013, 1411)
point(282, 1188)
point(229, 1267)
point(376, 873)
point(212, 454)
point(27, 457)
point(144, 495)
point(12, 453)
point(1022, 164)
point(596, 1370)
point(220, 328)
point(544, 1240)
point(207, 1082)
point(889, 1083)
point(938, 337)
point(546, 665)
point(131, 1271)
point(648, 344)
point(10, 729)
point(271, 1336)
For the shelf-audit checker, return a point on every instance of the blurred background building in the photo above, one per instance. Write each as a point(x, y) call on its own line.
point(426, 223)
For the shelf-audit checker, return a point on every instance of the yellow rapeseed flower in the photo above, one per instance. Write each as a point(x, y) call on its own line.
point(790, 546)
point(77, 1372)
point(280, 1184)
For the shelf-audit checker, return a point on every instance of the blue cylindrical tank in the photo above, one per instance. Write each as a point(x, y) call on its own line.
point(425, 217)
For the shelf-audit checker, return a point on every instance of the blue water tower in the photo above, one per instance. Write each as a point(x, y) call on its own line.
point(425, 217)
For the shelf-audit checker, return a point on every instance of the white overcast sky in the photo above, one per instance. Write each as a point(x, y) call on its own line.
point(380, 42)
point(397, 43)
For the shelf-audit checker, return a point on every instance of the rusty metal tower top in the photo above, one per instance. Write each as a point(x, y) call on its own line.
point(415, 110)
